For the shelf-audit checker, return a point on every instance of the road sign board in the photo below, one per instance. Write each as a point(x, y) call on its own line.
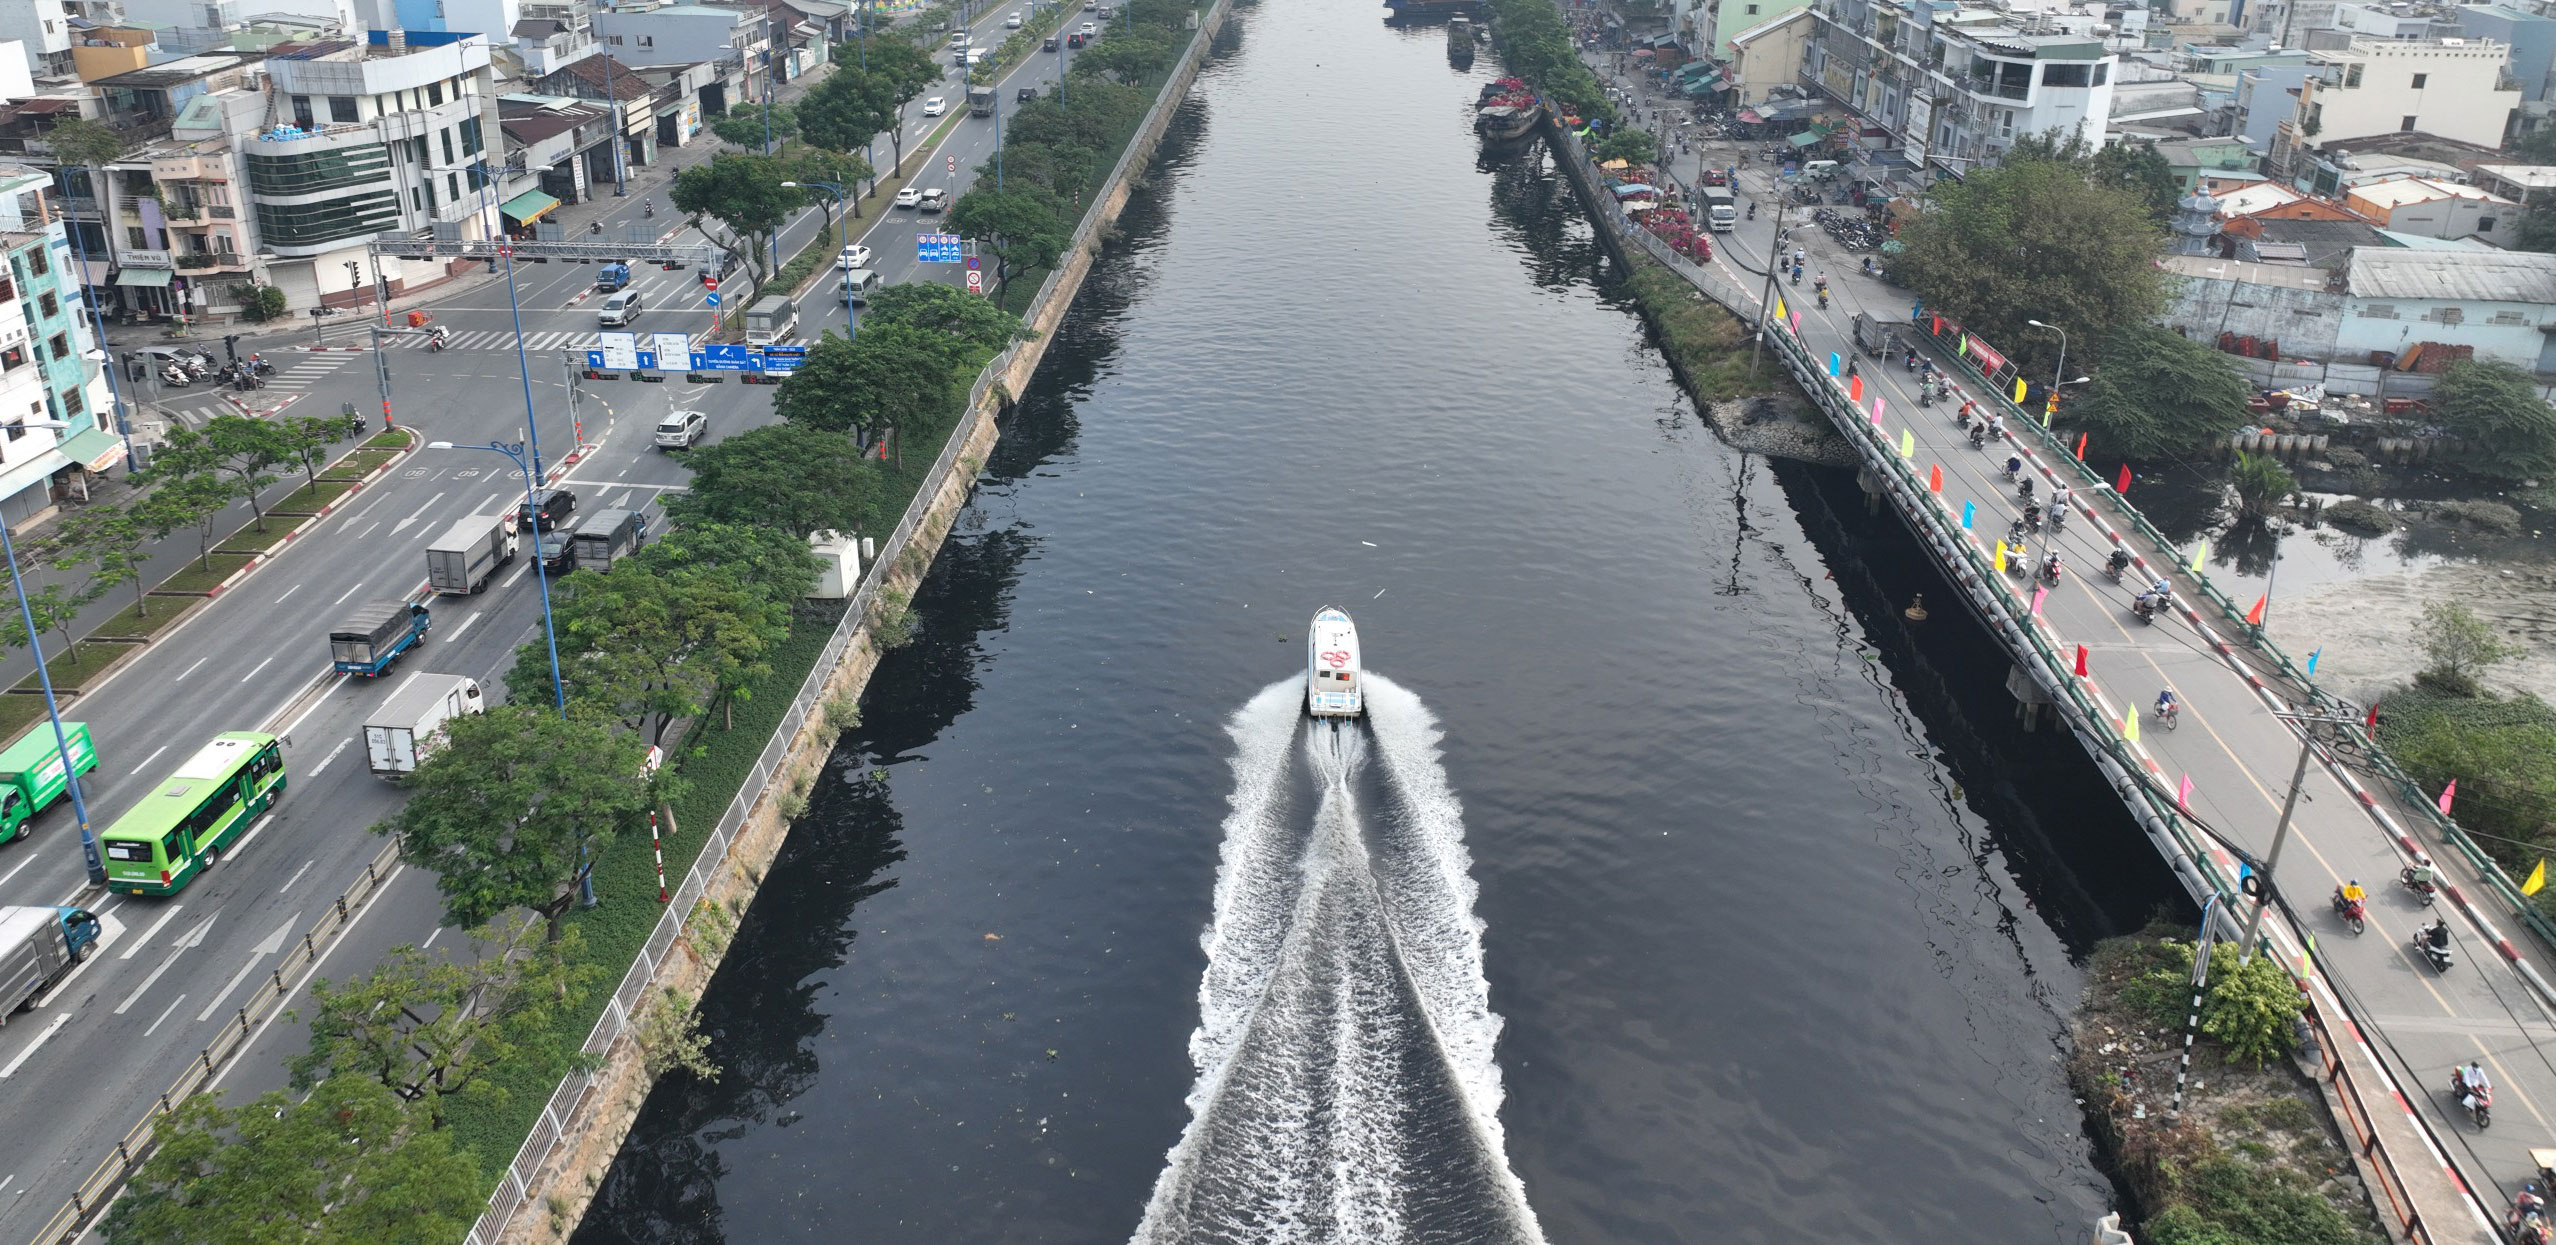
point(674, 348)
point(975, 280)
point(936, 248)
point(953, 163)
point(620, 350)
point(710, 299)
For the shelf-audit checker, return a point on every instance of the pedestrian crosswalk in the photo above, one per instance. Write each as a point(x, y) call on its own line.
point(504, 339)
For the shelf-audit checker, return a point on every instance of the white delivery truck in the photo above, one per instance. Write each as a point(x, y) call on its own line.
point(408, 726)
point(38, 946)
point(463, 560)
point(1721, 211)
point(772, 319)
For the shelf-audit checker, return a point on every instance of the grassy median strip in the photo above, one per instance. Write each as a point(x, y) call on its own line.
point(358, 465)
point(251, 540)
point(311, 498)
point(77, 668)
point(202, 577)
point(131, 623)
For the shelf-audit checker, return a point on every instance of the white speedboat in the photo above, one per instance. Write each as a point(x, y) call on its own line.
point(1332, 687)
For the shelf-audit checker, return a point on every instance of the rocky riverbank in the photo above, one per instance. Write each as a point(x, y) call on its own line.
point(2255, 1155)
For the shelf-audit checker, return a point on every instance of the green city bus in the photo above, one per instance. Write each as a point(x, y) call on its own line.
point(180, 829)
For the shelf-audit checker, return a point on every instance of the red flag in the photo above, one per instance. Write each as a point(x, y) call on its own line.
point(1855, 388)
point(2081, 661)
point(2254, 617)
point(2081, 447)
point(2373, 723)
point(2122, 484)
point(1935, 478)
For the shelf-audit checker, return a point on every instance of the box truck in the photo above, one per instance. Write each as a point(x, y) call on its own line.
point(374, 634)
point(31, 773)
point(463, 560)
point(38, 946)
point(772, 319)
point(410, 725)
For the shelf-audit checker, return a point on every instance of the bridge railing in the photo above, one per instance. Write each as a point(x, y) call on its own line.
point(2409, 793)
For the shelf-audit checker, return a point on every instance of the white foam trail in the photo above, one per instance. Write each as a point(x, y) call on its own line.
point(1347, 1084)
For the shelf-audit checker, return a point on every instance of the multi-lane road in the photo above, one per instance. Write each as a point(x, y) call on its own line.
point(83, 1064)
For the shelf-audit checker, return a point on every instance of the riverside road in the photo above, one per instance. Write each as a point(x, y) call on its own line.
point(87, 1061)
point(2236, 754)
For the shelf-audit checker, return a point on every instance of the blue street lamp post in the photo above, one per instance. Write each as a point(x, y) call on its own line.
point(97, 320)
point(514, 308)
point(89, 858)
point(516, 450)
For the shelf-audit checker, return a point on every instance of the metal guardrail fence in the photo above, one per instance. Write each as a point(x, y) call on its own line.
point(514, 1189)
point(2185, 837)
point(2408, 793)
point(95, 1192)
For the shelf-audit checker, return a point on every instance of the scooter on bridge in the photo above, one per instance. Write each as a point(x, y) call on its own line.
point(2433, 941)
point(2117, 564)
point(2475, 1097)
point(2051, 569)
point(2354, 909)
point(2422, 879)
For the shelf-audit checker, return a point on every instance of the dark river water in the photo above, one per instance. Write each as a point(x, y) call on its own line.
point(1676, 890)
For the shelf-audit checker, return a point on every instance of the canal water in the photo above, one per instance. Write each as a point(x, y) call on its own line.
point(1677, 889)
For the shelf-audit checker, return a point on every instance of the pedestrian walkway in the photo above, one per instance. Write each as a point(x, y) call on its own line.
point(2222, 772)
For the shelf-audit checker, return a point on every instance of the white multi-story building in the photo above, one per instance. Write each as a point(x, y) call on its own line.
point(43, 27)
point(50, 366)
point(2450, 88)
point(363, 141)
point(1957, 87)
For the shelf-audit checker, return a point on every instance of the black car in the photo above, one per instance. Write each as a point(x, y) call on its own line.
point(1025, 94)
point(554, 551)
point(1048, 46)
point(550, 508)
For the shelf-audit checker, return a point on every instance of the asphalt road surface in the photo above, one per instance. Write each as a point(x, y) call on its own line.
point(81, 1066)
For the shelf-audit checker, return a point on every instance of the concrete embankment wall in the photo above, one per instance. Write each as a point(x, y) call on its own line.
point(545, 1190)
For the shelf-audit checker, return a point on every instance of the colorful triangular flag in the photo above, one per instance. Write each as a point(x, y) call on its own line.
point(2448, 794)
point(2254, 617)
point(2200, 554)
point(2537, 879)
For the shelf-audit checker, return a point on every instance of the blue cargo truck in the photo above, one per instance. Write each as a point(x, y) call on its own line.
point(373, 637)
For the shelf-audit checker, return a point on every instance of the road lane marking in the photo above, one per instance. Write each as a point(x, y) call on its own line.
point(418, 513)
point(164, 1015)
point(430, 938)
point(341, 597)
point(253, 670)
point(518, 572)
point(465, 626)
point(153, 932)
point(361, 535)
point(277, 1012)
point(242, 846)
point(37, 1044)
point(194, 938)
point(332, 755)
point(288, 592)
point(297, 876)
point(274, 942)
point(13, 872)
point(146, 761)
point(191, 669)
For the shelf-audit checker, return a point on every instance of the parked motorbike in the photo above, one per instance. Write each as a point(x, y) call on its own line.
point(2355, 913)
point(2424, 892)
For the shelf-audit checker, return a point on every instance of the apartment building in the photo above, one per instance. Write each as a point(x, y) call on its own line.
point(44, 32)
point(1956, 87)
point(49, 359)
point(2455, 89)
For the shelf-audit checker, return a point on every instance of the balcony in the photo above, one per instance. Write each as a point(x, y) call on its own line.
point(213, 261)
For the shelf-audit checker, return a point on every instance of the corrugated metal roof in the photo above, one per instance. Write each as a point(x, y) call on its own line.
point(2451, 276)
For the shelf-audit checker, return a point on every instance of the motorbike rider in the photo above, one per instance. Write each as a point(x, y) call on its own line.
point(2470, 1080)
point(2437, 937)
point(2118, 562)
point(2032, 516)
point(2014, 465)
point(2050, 567)
point(2352, 893)
point(2167, 705)
point(2421, 875)
point(2528, 1204)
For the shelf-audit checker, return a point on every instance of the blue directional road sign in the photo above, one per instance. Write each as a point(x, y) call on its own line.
point(711, 298)
point(724, 357)
point(936, 248)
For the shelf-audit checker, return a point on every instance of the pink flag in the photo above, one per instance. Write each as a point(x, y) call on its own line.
point(2183, 798)
point(2447, 794)
point(2038, 592)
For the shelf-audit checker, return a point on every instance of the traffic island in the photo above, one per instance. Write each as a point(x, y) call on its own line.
point(2255, 1153)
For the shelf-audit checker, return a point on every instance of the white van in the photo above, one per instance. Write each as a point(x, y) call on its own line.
point(858, 285)
point(621, 308)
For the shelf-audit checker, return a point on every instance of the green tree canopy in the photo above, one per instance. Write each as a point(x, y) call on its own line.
point(744, 126)
point(893, 376)
point(2155, 392)
point(428, 1027)
point(793, 477)
point(745, 194)
point(1024, 226)
point(347, 1166)
point(2035, 240)
point(2136, 168)
point(1135, 57)
point(938, 308)
point(2495, 407)
point(500, 814)
point(1635, 145)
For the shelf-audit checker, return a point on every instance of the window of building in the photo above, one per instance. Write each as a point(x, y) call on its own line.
point(470, 135)
point(37, 263)
point(72, 404)
point(2447, 315)
point(302, 112)
point(2508, 317)
point(8, 290)
point(452, 186)
point(434, 93)
point(2378, 311)
point(647, 41)
point(2484, 224)
point(16, 429)
point(347, 216)
point(13, 357)
point(341, 109)
point(2067, 75)
point(2102, 73)
point(614, 40)
point(2419, 79)
point(416, 199)
point(2406, 125)
point(447, 137)
point(317, 170)
point(49, 305)
point(1752, 10)
point(60, 345)
point(2352, 76)
point(138, 240)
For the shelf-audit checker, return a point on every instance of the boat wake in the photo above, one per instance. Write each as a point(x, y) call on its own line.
point(1347, 1087)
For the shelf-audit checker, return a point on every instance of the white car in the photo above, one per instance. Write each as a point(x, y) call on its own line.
point(935, 199)
point(1087, 30)
point(1013, 22)
point(908, 197)
point(935, 106)
point(855, 256)
point(681, 430)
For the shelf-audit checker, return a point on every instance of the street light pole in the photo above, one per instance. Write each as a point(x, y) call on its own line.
point(89, 858)
point(2306, 722)
point(2050, 406)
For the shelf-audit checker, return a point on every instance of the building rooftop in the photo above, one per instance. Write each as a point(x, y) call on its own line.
point(2533, 176)
point(2320, 243)
point(2255, 198)
point(2212, 268)
point(2486, 276)
point(178, 72)
point(2404, 190)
